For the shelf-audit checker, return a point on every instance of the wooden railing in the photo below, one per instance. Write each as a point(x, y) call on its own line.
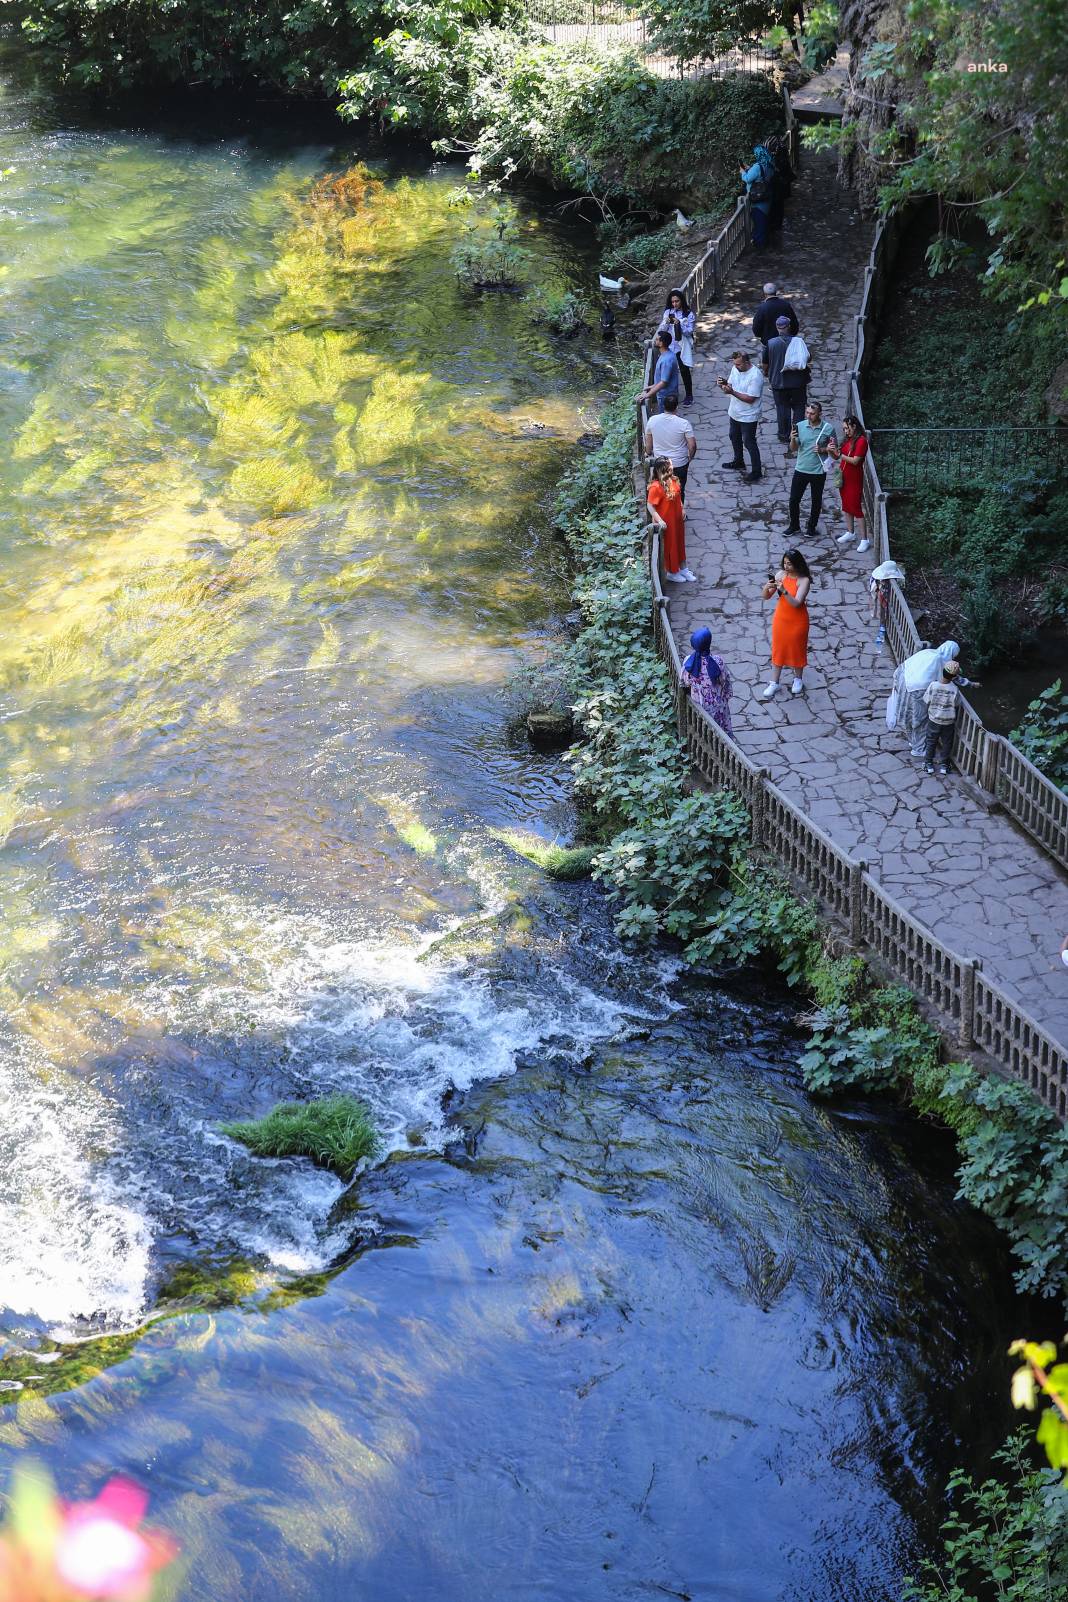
point(702, 284)
point(1027, 795)
point(983, 1017)
point(954, 986)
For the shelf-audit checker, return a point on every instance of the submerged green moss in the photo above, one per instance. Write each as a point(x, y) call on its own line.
point(335, 1132)
point(559, 862)
point(200, 1286)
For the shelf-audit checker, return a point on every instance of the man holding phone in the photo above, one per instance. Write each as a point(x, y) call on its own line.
point(745, 386)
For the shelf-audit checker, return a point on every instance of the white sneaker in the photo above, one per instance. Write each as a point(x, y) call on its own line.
point(690, 578)
point(865, 545)
point(844, 539)
point(675, 578)
point(797, 686)
point(768, 691)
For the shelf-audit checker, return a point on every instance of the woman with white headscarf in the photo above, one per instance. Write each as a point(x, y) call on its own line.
point(911, 679)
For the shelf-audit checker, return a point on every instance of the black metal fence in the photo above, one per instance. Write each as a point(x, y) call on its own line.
point(967, 458)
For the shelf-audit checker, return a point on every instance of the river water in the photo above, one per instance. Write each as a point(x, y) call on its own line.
point(621, 1313)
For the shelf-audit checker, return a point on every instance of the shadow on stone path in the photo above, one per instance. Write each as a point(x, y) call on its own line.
point(969, 875)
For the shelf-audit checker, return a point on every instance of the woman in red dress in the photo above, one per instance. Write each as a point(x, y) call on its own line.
point(669, 515)
point(851, 454)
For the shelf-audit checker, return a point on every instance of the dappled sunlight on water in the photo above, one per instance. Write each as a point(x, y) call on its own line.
point(273, 544)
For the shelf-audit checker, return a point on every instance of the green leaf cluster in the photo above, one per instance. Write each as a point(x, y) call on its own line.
point(302, 49)
point(990, 144)
point(1042, 735)
point(1014, 1152)
point(1006, 1539)
point(562, 311)
point(697, 30)
point(577, 115)
point(1041, 1378)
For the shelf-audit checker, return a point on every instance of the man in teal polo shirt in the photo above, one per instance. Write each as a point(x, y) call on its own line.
point(810, 440)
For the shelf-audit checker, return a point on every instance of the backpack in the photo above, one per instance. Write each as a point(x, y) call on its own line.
point(760, 189)
point(797, 357)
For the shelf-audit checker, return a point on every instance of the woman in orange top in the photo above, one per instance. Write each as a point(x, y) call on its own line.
point(669, 515)
point(789, 624)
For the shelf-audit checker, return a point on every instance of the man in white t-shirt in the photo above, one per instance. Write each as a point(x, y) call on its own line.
point(668, 434)
point(745, 386)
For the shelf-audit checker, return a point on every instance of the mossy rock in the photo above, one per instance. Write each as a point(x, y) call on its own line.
point(558, 862)
point(551, 729)
point(335, 1132)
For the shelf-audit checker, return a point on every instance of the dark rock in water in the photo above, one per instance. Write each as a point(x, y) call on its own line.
point(572, 622)
point(589, 442)
point(415, 1136)
point(552, 729)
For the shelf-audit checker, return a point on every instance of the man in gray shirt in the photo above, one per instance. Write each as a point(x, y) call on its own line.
point(789, 386)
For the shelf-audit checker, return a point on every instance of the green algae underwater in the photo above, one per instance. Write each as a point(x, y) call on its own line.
point(621, 1313)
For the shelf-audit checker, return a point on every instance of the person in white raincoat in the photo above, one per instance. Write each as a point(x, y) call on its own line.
point(911, 678)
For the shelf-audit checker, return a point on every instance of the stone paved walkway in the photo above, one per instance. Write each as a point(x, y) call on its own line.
point(972, 877)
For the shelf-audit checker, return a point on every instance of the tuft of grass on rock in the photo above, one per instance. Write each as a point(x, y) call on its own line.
point(335, 1132)
point(559, 862)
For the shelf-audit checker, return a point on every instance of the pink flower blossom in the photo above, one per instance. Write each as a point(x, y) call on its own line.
point(102, 1554)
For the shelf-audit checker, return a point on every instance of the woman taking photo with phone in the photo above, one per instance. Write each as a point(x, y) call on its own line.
point(789, 623)
point(678, 321)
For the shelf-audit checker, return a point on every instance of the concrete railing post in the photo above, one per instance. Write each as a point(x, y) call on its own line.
point(756, 806)
point(715, 272)
point(856, 901)
point(967, 1002)
point(882, 532)
point(682, 712)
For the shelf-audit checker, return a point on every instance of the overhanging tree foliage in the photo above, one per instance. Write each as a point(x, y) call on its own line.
point(969, 103)
point(301, 48)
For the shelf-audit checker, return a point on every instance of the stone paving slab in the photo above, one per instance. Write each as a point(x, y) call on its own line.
point(970, 875)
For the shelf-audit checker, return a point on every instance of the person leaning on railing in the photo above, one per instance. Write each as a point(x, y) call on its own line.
point(851, 454)
point(664, 500)
point(666, 373)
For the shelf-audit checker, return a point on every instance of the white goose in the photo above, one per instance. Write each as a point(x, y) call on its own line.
point(616, 287)
point(682, 222)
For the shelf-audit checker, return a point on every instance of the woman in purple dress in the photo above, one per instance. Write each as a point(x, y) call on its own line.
point(708, 680)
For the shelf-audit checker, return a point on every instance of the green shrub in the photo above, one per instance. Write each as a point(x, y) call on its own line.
point(1006, 1539)
point(582, 117)
point(990, 630)
point(562, 311)
point(482, 261)
point(1042, 736)
point(645, 252)
point(1053, 607)
point(115, 46)
point(335, 1132)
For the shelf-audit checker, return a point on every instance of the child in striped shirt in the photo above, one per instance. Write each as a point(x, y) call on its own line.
point(941, 697)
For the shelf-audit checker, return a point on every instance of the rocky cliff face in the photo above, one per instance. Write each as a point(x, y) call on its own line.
point(871, 103)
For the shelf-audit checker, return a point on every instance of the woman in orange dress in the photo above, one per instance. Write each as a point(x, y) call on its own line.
point(789, 624)
point(669, 515)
